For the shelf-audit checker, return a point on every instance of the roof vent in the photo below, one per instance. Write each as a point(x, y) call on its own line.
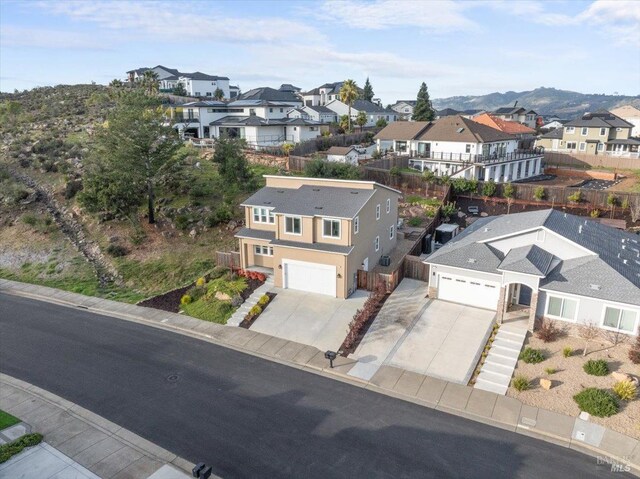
point(460, 130)
point(580, 229)
point(318, 207)
point(624, 261)
point(280, 191)
point(595, 287)
point(267, 202)
point(486, 230)
point(471, 260)
point(354, 192)
point(316, 189)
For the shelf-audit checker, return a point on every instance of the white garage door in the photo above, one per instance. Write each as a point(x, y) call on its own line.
point(474, 292)
point(312, 277)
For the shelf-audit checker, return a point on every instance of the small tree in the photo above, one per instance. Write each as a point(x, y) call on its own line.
point(179, 90)
point(575, 197)
point(539, 193)
point(508, 191)
point(423, 110)
point(367, 93)
point(588, 332)
point(232, 164)
point(218, 94)
point(361, 120)
point(381, 123)
point(287, 148)
point(612, 201)
point(489, 188)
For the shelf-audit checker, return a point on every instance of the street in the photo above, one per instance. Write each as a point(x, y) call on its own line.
point(249, 417)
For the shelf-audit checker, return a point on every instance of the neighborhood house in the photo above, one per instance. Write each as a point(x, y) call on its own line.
point(317, 233)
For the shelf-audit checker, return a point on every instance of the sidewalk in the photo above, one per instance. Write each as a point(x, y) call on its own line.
point(475, 404)
point(75, 439)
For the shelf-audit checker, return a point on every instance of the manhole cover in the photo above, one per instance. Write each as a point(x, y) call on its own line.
point(172, 378)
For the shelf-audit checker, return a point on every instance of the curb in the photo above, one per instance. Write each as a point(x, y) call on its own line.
point(475, 404)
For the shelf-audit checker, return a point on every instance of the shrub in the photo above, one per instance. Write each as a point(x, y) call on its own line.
point(596, 367)
point(381, 123)
point(222, 214)
point(508, 190)
point(625, 390)
point(11, 449)
point(521, 383)
point(548, 331)
point(219, 272)
point(462, 185)
point(625, 204)
point(531, 356)
point(428, 175)
point(634, 352)
point(550, 371)
point(255, 311)
point(236, 301)
point(186, 299)
point(264, 299)
point(539, 193)
point(449, 209)
point(575, 197)
point(597, 402)
point(489, 188)
point(612, 200)
point(415, 221)
point(72, 188)
point(117, 250)
point(29, 219)
point(196, 293)
point(182, 222)
point(395, 171)
point(594, 213)
point(200, 282)
point(567, 351)
point(363, 315)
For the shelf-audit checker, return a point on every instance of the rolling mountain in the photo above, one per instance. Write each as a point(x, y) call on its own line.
point(545, 101)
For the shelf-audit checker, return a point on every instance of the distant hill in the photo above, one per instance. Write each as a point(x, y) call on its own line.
point(545, 101)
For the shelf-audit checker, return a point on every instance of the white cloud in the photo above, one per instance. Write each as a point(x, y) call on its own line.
point(41, 38)
point(435, 16)
point(181, 22)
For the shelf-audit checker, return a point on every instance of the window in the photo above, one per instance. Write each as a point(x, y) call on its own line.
point(570, 129)
point(252, 111)
point(281, 110)
point(600, 146)
point(293, 225)
point(331, 228)
point(376, 243)
point(584, 131)
point(392, 232)
point(571, 145)
point(401, 146)
point(356, 225)
point(563, 308)
point(620, 319)
point(270, 110)
point(603, 131)
point(388, 205)
point(583, 146)
point(208, 93)
point(467, 149)
point(263, 215)
point(377, 212)
point(197, 93)
point(263, 250)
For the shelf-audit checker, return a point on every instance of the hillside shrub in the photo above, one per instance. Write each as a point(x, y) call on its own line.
point(186, 299)
point(29, 219)
point(182, 222)
point(575, 197)
point(521, 383)
point(625, 390)
point(415, 221)
point(449, 209)
point(597, 402)
point(539, 193)
point(596, 367)
point(531, 356)
point(550, 371)
point(72, 188)
point(116, 250)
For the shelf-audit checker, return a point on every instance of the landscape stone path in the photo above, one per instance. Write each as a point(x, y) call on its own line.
point(238, 316)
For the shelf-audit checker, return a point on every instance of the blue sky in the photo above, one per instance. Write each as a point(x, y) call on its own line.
point(457, 48)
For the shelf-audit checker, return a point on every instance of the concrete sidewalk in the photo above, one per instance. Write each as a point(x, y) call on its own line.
point(475, 404)
point(76, 438)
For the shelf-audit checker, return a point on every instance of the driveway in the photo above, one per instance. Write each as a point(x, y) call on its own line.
point(430, 337)
point(314, 319)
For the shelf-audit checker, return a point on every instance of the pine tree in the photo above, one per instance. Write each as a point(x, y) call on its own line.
point(423, 111)
point(368, 91)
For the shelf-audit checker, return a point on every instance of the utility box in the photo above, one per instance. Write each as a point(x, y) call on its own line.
point(385, 260)
point(426, 244)
point(446, 232)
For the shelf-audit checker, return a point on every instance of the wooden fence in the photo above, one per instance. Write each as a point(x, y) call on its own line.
point(297, 163)
point(583, 161)
point(405, 181)
point(230, 259)
point(414, 268)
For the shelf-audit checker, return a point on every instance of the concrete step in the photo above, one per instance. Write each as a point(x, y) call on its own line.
point(501, 379)
point(491, 387)
point(516, 330)
point(512, 336)
point(504, 352)
point(502, 360)
point(502, 342)
point(494, 367)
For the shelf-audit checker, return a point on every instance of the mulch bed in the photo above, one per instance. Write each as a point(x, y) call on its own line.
point(343, 351)
point(170, 301)
point(246, 323)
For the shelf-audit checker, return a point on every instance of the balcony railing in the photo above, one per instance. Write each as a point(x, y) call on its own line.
point(473, 158)
point(185, 119)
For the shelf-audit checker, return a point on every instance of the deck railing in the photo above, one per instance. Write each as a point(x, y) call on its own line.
point(474, 158)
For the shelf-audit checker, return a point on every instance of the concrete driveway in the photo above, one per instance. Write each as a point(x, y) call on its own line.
point(430, 337)
point(314, 319)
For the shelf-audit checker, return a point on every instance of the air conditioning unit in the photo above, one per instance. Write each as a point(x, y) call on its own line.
point(385, 260)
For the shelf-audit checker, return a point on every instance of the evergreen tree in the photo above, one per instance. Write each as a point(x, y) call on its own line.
point(423, 111)
point(368, 91)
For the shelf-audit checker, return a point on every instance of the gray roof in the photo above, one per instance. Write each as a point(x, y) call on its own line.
point(600, 119)
point(329, 248)
point(509, 110)
point(617, 251)
point(370, 107)
point(555, 134)
point(311, 200)
point(254, 120)
point(321, 109)
point(255, 234)
point(529, 259)
point(473, 256)
point(270, 94)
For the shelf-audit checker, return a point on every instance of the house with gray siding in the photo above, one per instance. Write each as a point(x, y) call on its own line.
point(556, 265)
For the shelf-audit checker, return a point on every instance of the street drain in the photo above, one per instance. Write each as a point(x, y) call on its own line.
point(172, 378)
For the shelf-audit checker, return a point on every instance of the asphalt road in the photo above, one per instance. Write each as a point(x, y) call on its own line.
point(253, 418)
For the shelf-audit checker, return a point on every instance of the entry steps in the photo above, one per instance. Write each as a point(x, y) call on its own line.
point(238, 316)
point(495, 374)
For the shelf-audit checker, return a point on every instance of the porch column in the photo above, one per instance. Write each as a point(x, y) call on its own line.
point(532, 311)
point(487, 174)
point(502, 304)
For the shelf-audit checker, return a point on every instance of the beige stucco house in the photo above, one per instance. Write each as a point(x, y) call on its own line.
point(317, 233)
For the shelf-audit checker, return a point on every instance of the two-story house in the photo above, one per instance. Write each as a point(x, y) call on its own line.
point(196, 84)
point(630, 114)
point(404, 109)
point(373, 111)
point(520, 115)
point(458, 147)
point(317, 233)
point(324, 94)
point(321, 114)
point(526, 136)
point(599, 133)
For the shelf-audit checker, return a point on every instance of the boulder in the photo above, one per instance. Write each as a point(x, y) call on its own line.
point(484, 214)
point(618, 376)
point(193, 233)
point(546, 383)
point(222, 296)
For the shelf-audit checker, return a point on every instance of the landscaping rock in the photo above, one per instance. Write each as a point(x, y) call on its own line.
point(546, 384)
point(193, 233)
point(484, 214)
point(461, 214)
point(617, 376)
point(222, 296)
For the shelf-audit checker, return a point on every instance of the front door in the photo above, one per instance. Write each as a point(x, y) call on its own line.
point(424, 150)
point(515, 293)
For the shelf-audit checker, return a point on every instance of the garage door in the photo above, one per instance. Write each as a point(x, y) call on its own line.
point(473, 292)
point(312, 277)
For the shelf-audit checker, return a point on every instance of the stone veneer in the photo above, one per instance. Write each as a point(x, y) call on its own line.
point(532, 310)
point(501, 305)
point(432, 292)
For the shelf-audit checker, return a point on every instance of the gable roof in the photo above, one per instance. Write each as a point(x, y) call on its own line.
point(448, 112)
point(401, 130)
point(320, 109)
point(617, 251)
point(339, 150)
point(269, 94)
point(458, 128)
point(600, 119)
point(530, 259)
point(626, 111)
point(509, 110)
point(555, 134)
point(511, 127)
point(370, 107)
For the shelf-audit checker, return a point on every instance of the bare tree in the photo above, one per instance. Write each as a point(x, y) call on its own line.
point(588, 332)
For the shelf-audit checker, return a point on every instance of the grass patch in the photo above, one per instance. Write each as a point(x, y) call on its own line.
point(532, 356)
point(211, 310)
point(596, 367)
point(597, 402)
point(422, 201)
point(7, 451)
point(7, 420)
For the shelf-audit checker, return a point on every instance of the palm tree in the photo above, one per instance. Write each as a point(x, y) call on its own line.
point(361, 120)
point(150, 82)
point(115, 83)
point(348, 94)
